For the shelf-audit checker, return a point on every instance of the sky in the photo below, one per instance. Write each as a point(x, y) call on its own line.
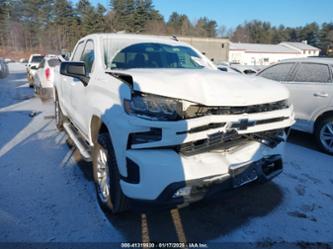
point(230, 13)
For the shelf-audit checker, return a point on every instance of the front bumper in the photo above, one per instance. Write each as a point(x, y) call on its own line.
point(147, 169)
point(262, 170)
point(30, 76)
point(157, 169)
point(46, 93)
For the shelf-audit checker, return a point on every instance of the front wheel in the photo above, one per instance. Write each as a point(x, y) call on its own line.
point(324, 135)
point(107, 177)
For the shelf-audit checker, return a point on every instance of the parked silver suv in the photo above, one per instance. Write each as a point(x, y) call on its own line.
point(310, 83)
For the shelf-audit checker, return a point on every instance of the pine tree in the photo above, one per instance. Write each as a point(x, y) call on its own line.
point(4, 18)
point(179, 24)
point(100, 24)
point(63, 24)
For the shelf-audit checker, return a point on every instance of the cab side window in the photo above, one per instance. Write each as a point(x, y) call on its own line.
point(88, 56)
point(78, 52)
point(313, 72)
point(279, 72)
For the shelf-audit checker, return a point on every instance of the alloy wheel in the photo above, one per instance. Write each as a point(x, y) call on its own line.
point(326, 136)
point(103, 176)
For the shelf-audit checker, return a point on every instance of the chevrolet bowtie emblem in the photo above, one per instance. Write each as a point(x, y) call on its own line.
point(243, 124)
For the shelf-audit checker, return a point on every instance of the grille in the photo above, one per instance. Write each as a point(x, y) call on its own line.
point(225, 141)
point(202, 128)
point(218, 140)
point(199, 110)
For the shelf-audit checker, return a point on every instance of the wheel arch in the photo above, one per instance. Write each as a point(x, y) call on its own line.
point(55, 93)
point(321, 117)
point(97, 126)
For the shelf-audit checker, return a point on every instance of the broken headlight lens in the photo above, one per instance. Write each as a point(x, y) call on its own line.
point(284, 103)
point(154, 107)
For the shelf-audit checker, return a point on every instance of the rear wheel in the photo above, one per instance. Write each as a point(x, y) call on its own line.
point(324, 134)
point(36, 89)
point(31, 83)
point(107, 177)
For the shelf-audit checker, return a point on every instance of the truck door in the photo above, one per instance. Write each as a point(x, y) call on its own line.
point(79, 91)
point(69, 82)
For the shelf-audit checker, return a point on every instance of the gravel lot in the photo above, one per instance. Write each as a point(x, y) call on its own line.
point(47, 193)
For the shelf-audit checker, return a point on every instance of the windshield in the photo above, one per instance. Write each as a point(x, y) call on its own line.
point(37, 59)
point(155, 55)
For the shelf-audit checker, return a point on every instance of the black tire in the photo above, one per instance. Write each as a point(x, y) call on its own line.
point(116, 202)
point(36, 90)
point(59, 116)
point(30, 81)
point(319, 129)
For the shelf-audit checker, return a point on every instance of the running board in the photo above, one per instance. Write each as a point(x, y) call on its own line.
point(78, 141)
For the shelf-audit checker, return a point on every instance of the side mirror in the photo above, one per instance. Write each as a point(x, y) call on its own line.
point(75, 70)
point(33, 67)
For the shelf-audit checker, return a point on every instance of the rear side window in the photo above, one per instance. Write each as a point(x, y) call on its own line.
point(88, 56)
point(78, 52)
point(53, 62)
point(37, 59)
point(313, 72)
point(277, 72)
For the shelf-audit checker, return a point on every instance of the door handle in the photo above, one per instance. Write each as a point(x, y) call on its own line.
point(322, 95)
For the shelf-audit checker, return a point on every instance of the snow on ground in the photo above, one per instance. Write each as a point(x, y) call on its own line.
point(47, 193)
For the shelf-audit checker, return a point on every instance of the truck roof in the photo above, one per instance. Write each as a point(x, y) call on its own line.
point(134, 38)
point(112, 43)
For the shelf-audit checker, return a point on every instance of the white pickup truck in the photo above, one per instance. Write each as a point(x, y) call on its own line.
point(162, 125)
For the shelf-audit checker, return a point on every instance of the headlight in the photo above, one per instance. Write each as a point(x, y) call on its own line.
point(284, 104)
point(154, 107)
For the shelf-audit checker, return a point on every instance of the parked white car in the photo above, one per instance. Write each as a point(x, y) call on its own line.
point(32, 66)
point(228, 69)
point(162, 124)
point(45, 76)
point(310, 83)
point(246, 69)
point(8, 60)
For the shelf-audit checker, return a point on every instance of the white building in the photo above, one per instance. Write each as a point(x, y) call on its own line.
point(303, 47)
point(266, 54)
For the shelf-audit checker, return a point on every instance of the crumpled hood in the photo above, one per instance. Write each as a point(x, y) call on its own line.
point(208, 87)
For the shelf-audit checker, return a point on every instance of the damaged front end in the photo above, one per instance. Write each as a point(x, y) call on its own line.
point(230, 141)
point(179, 150)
